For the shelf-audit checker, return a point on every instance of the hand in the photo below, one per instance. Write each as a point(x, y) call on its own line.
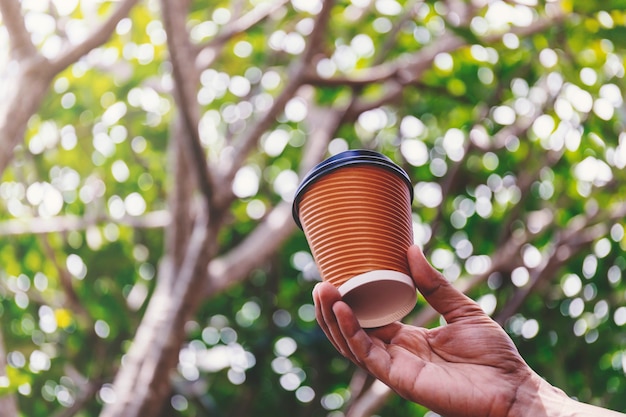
point(469, 367)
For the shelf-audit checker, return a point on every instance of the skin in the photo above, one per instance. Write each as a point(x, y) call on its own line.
point(469, 367)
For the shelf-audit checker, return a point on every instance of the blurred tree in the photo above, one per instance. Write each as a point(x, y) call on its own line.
point(149, 264)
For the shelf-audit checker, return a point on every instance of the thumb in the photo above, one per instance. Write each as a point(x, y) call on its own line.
point(451, 303)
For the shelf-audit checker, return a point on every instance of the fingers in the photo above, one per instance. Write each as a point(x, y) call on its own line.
point(343, 330)
point(325, 296)
point(438, 292)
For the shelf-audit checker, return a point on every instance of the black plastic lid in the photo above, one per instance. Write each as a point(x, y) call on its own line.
point(343, 159)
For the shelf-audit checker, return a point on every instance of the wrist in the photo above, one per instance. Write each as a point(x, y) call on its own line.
point(537, 398)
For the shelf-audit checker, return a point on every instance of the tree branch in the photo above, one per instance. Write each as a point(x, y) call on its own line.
point(180, 199)
point(65, 279)
point(235, 265)
point(98, 37)
point(87, 392)
point(498, 142)
point(27, 87)
point(245, 144)
point(207, 53)
point(25, 93)
point(250, 138)
point(186, 79)
point(408, 70)
point(22, 47)
point(143, 383)
point(410, 11)
point(61, 224)
point(568, 244)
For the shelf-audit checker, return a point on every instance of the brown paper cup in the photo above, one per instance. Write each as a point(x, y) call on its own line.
point(355, 210)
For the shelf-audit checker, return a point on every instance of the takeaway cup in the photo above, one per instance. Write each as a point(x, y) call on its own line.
point(355, 211)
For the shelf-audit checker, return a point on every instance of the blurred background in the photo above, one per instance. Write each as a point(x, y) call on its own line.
point(150, 150)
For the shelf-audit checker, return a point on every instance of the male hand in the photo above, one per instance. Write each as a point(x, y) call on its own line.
point(469, 367)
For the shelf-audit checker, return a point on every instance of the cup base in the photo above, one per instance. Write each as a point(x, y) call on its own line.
point(379, 297)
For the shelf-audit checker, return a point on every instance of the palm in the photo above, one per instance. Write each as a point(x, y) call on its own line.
point(435, 367)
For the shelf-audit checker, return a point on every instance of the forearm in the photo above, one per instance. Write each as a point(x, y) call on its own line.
point(537, 398)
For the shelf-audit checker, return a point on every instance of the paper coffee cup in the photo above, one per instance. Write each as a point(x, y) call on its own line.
point(355, 211)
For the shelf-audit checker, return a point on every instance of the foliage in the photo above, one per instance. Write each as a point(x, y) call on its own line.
point(508, 116)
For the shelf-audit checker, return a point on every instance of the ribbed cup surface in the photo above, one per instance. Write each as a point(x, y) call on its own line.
point(357, 219)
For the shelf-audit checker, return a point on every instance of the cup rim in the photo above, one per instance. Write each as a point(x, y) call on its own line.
point(344, 159)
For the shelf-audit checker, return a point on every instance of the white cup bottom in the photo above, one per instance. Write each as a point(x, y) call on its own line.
point(379, 297)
